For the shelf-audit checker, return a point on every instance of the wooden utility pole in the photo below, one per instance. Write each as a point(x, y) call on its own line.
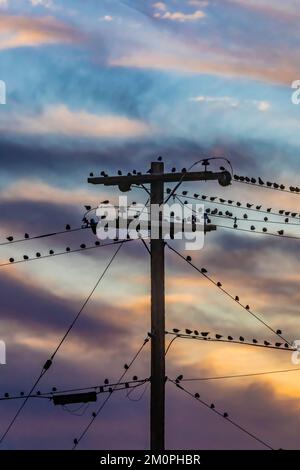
point(157, 404)
point(156, 178)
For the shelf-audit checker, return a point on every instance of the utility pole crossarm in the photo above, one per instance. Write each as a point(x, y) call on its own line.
point(124, 182)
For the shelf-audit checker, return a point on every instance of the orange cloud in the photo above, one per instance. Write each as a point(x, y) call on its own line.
point(26, 31)
point(60, 120)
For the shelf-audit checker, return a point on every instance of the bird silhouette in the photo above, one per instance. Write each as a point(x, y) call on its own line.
point(254, 341)
point(249, 205)
point(286, 220)
point(281, 211)
point(126, 367)
point(88, 208)
point(10, 238)
point(212, 406)
point(173, 170)
point(25, 257)
point(91, 175)
point(11, 260)
point(286, 345)
point(68, 227)
point(230, 338)
point(225, 415)
point(252, 227)
point(219, 284)
point(278, 345)
point(180, 377)
point(68, 248)
point(218, 336)
point(241, 338)
point(275, 185)
point(269, 209)
point(119, 172)
point(237, 298)
point(51, 252)
point(184, 193)
point(188, 258)
point(258, 208)
point(38, 255)
point(103, 173)
point(203, 270)
point(222, 200)
point(278, 332)
point(247, 307)
point(82, 245)
point(196, 332)
point(282, 187)
point(135, 377)
point(280, 232)
point(264, 229)
point(183, 170)
point(94, 414)
point(239, 204)
point(245, 216)
point(269, 184)
point(266, 343)
point(188, 332)
point(106, 381)
point(197, 395)
point(26, 235)
point(266, 219)
point(159, 158)
point(253, 180)
point(205, 333)
point(175, 330)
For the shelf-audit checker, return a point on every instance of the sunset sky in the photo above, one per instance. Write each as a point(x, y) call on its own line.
point(107, 85)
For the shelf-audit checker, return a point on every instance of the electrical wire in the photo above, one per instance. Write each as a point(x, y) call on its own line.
point(48, 363)
point(76, 250)
point(223, 415)
point(217, 284)
point(98, 411)
point(51, 234)
point(232, 341)
point(252, 182)
point(253, 374)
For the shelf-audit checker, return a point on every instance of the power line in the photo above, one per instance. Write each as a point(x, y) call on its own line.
point(231, 340)
point(238, 205)
point(100, 389)
point(221, 377)
point(96, 413)
point(268, 185)
point(48, 363)
point(211, 407)
point(45, 235)
point(52, 254)
point(203, 272)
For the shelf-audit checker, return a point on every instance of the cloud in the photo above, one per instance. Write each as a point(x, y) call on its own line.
point(180, 16)
point(44, 3)
point(262, 106)
point(26, 31)
point(60, 120)
point(160, 6)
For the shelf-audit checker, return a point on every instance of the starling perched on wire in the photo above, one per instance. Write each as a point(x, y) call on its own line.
point(280, 232)
point(269, 209)
point(241, 338)
point(173, 170)
point(219, 284)
point(188, 332)
point(258, 208)
point(212, 406)
point(266, 343)
point(106, 381)
point(175, 330)
point(225, 415)
point(237, 298)
point(188, 258)
point(68, 227)
point(11, 260)
point(25, 257)
point(278, 345)
point(254, 341)
point(230, 338)
point(196, 332)
point(204, 333)
point(10, 238)
point(278, 332)
point(184, 193)
point(218, 336)
point(264, 229)
point(82, 245)
point(180, 377)
point(119, 172)
point(247, 307)
point(249, 205)
point(26, 235)
point(126, 367)
point(197, 395)
point(203, 270)
point(88, 208)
